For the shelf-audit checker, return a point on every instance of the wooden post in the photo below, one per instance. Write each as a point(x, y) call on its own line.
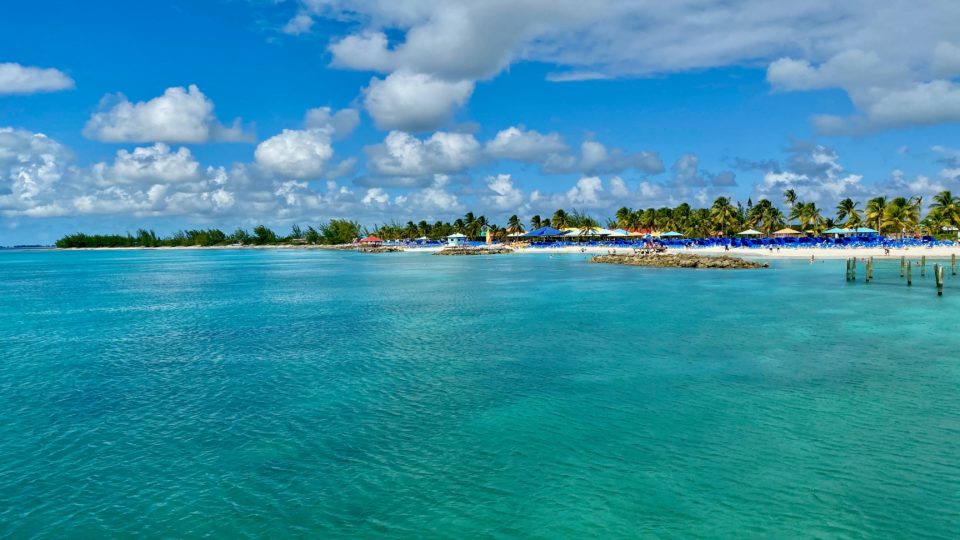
point(923, 265)
point(909, 273)
point(853, 269)
point(870, 270)
point(848, 269)
point(953, 264)
point(938, 274)
point(902, 264)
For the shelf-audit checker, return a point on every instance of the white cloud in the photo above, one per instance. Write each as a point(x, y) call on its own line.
point(402, 154)
point(180, 115)
point(301, 23)
point(595, 158)
point(815, 173)
point(463, 41)
point(296, 153)
point(32, 166)
point(376, 197)
point(156, 164)
point(946, 60)
point(587, 193)
point(18, 79)
point(886, 94)
point(414, 101)
point(519, 144)
point(503, 195)
point(432, 200)
point(341, 123)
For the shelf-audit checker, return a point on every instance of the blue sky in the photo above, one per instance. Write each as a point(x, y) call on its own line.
point(173, 114)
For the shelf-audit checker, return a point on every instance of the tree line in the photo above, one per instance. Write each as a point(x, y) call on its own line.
point(898, 216)
point(335, 231)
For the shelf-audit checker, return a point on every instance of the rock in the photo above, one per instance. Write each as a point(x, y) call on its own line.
point(680, 260)
point(481, 250)
point(380, 249)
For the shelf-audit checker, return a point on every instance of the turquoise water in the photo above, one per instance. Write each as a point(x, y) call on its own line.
point(295, 393)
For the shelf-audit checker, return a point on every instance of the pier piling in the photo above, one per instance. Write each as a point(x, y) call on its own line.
point(853, 269)
point(869, 269)
point(902, 264)
point(938, 276)
point(923, 266)
point(848, 269)
point(909, 273)
point(953, 264)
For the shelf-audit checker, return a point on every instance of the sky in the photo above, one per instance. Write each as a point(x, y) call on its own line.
point(231, 113)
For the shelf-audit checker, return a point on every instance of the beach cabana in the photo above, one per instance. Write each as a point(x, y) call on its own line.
point(544, 231)
point(456, 239)
point(371, 240)
point(671, 234)
point(619, 233)
point(836, 231)
point(785, 232)
point(864, 231)
point(750, 232)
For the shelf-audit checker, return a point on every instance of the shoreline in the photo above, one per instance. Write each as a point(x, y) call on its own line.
point(753, 253)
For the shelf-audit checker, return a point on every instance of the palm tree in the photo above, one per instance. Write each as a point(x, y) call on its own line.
point(808, 215)
point(876, 207)
point(723, 214)
point(847, 210)
point(624, 216)
point(948, 207)
point(513, 224)
point(535, 222)
point(897, 218)
point(559, 219)
point(790, 197)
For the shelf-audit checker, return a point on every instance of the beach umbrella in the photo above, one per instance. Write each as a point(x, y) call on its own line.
point(671, 234)
point(787, 231)
point(749, 232)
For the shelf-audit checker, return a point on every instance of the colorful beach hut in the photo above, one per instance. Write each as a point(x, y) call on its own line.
point(786, 232)
point(371, 240)
point(457, 239)
point(836, 232)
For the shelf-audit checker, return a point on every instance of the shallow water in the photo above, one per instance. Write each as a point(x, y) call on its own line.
point(301, 393)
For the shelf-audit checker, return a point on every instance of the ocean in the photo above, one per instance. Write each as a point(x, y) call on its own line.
point(294, 393)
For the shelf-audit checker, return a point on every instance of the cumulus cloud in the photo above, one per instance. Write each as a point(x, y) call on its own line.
point(432, 200)
point(402, 154)
point(32, 166)
point(297, 154)
point(503, 194)
point(155, 164)
point(595, 158)
point(18, 79)
point(414, 101)
point(340, 123)
point(180, 115)
point(461, 41)
point(815, 173)
point(519, 144)
point(886, 94)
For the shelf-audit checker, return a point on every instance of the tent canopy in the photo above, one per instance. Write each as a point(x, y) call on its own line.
point(671, 234)
point(544, 231)
point(750, 232)
point(836, 230)
point(787, 230)
point(457, 235)
point(864, 230)
point(595, 231)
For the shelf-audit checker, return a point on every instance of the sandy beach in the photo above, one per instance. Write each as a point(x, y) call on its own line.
point(931, 252)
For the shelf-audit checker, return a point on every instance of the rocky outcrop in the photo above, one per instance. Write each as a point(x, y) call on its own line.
point(679, 261)
point(379, 249)
point(481, 250)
